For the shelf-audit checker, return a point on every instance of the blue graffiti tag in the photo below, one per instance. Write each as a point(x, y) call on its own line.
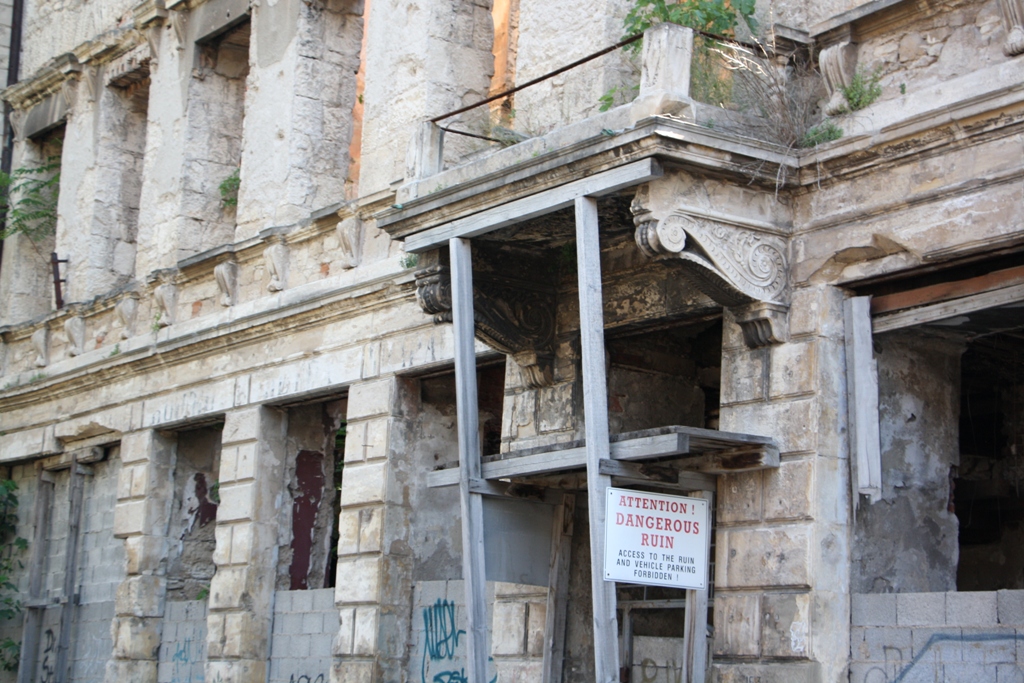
point(442, 639)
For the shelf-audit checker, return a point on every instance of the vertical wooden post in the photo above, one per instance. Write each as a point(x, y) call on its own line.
point(35, 607)
point(695, 630)
point(862, 399)
point(558, 589)
point(69, 599)
point(595, 408)
point(469, 459)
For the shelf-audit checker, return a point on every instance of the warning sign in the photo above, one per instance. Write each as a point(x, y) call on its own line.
point(656, 539)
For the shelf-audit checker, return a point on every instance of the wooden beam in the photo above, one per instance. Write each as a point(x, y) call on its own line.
point(69, 604)
point(948, 309)
point(695, 629)
point(543, 202)
point(944, 291)
point(643, 448)
point(658, 475)
point(467, 408)
point(732, 460)
point(558, 589)
point(862, 398)
point(595, 408)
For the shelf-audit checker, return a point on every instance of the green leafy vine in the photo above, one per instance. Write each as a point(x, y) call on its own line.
point(28, 196)
point(12, 547)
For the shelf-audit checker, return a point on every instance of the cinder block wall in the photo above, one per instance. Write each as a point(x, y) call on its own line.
point(305, 624)
point(937, 637)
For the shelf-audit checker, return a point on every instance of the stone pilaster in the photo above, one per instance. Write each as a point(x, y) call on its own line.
point(782, 573)
point(141, 518)
point(374, 579)
point(241, 593)
point(299, 99)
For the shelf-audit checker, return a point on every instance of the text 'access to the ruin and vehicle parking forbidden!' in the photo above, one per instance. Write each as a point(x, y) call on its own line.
point(656, 539)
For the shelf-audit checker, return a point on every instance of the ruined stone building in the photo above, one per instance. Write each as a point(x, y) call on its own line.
point(325, 375)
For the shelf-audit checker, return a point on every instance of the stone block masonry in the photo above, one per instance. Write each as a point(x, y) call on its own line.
point(904, 637)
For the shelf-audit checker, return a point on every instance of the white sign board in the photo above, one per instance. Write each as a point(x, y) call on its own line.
point(657, 540)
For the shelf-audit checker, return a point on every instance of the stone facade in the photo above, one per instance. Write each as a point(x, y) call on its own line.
point(232, 411)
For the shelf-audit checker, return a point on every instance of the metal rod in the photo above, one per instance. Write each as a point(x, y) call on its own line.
point(539, 79)
point(471, 135)
point(58, 295)
point(622, 43)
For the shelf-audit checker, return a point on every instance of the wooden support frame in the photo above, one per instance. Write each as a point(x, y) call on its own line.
point(538, 204)
point(35, 604)
point(695, 630)
point(595, 407)
point(862, 398)
point(473, 570)
point(558, 589)
point(69, 598)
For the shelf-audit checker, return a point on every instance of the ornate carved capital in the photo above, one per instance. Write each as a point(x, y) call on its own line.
point(1013, 17)
point(737, 267)
point(511, 316)
point(763, 323)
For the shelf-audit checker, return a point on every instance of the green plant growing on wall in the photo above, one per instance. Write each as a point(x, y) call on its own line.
point(12, 547)
point(826, 131)
point(28, 196)
point(409, 261)
point(229, 188)
point(864, 89)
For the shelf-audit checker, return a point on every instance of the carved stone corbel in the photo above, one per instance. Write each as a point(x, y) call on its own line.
point(69, 91)
point(127, 310)
point(165, 296)
point(74, 328)
point(350, 242)
point(17, 118)
point(226, 275)
point(177, 19)
point(1013, 17)
point(276, 259)
point(838, 64)
point(740, 268)
point(41, 343)
point(512, 316)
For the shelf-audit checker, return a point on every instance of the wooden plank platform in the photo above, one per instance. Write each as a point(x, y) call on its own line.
point(700, 450)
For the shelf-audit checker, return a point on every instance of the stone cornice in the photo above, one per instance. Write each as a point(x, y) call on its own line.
point(379, 284)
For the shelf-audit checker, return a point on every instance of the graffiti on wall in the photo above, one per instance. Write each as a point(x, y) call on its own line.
point(442, 637)
point(994, 647)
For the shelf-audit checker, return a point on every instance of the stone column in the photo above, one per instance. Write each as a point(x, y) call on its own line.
point(141, 518)
point(783, 558)
point(301, 91)
point(374, 574)
point(194, 132)
point(242, 590)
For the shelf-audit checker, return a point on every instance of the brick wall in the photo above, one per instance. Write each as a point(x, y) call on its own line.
point(305, 623)
point(904, 637)
point(183, 642)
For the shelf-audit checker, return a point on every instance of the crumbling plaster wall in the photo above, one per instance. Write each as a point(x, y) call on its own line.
point(919, 52)
point(53, 28)
point(298, 111)
point(25, 278)
point(907, 542)
point(101, 174)
point(421, 61)
point(553, 35)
